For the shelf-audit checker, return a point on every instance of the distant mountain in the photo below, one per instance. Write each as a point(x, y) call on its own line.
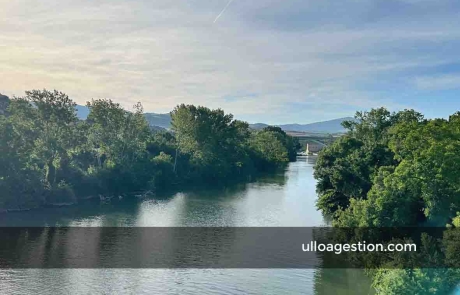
point(160, 120)
point(157, 121)
point(4, 102)
point(331, 126)
point(258, 126)
point(158, 128)
point(82, 112)
point(164, 122)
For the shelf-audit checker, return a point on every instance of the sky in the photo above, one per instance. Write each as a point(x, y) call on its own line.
point(277, 62)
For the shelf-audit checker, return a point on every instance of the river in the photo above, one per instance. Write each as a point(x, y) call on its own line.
point(285, 198)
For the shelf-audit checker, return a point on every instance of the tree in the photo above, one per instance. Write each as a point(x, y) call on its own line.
point(50, 156)
point(269, 149)
point(292, 144)
point(432, 151)
point(212, 139)
point(394, 200)
point(346, 169)
point(118, 141)
point(116, 136)
point(413, 178)
point(46, 122)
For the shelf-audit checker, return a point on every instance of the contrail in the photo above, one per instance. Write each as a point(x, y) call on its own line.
point(223, 10)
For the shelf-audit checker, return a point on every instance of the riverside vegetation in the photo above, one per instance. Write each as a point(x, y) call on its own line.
point(49, 156)
point(394, 170)
point(390, 169)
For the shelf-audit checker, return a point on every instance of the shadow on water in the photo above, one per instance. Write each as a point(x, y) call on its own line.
point(63, 216)
point(125, 209)
point(281, 198)
point(342, 281)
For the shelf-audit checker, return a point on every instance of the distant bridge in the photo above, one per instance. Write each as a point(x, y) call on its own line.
point(313, 143)
point(314, 148)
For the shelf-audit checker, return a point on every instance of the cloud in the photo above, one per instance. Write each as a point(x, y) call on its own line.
point(439, 82)
point(319, 57)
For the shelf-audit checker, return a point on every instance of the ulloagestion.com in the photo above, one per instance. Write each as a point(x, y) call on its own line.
point(313, 246)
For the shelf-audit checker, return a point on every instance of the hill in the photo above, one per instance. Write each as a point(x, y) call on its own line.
point(164, 121)
point(160, 120)
point(258, 126)
point(82, 112)
point(331, 126)
point(4, 101)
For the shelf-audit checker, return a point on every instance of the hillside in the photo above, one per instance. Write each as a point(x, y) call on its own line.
point(258, 126)
point(164, 121)
point(160, 120)
point(82, 112)
point(4, 101)
point(331, 126)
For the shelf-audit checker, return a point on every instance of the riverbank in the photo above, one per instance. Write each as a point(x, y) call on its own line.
point(139, 195)
point(283, 198)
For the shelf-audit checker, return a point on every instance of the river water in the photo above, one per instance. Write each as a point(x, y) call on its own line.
point(286, 198)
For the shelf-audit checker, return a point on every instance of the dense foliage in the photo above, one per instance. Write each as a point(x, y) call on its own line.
point(394, 169)
point(49, 156)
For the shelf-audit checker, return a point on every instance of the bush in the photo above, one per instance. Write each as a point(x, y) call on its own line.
point(61, 194)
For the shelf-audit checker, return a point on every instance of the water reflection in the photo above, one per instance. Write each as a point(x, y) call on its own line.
point(186, 281)
point(341, 281)
point(286, 198)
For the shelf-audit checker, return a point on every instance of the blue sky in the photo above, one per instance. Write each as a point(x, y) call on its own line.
point(291, 61)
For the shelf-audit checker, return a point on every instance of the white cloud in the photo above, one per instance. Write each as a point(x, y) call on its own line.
point(438, 82)
point(163, 53)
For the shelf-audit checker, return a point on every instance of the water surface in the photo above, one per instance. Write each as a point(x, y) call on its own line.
point(285, 198)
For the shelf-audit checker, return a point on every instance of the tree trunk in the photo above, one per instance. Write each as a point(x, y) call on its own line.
point(50, 173)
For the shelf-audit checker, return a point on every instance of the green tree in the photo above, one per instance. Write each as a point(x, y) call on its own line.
point(46, 122)
point(413, 178)
point(269, 149)
point(118, 141)
point(213, 141)
point(346, 169)
point(292, 144)
point(20, 186)
point(116, 136)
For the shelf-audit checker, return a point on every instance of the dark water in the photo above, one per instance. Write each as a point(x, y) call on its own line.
point(286, 198)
